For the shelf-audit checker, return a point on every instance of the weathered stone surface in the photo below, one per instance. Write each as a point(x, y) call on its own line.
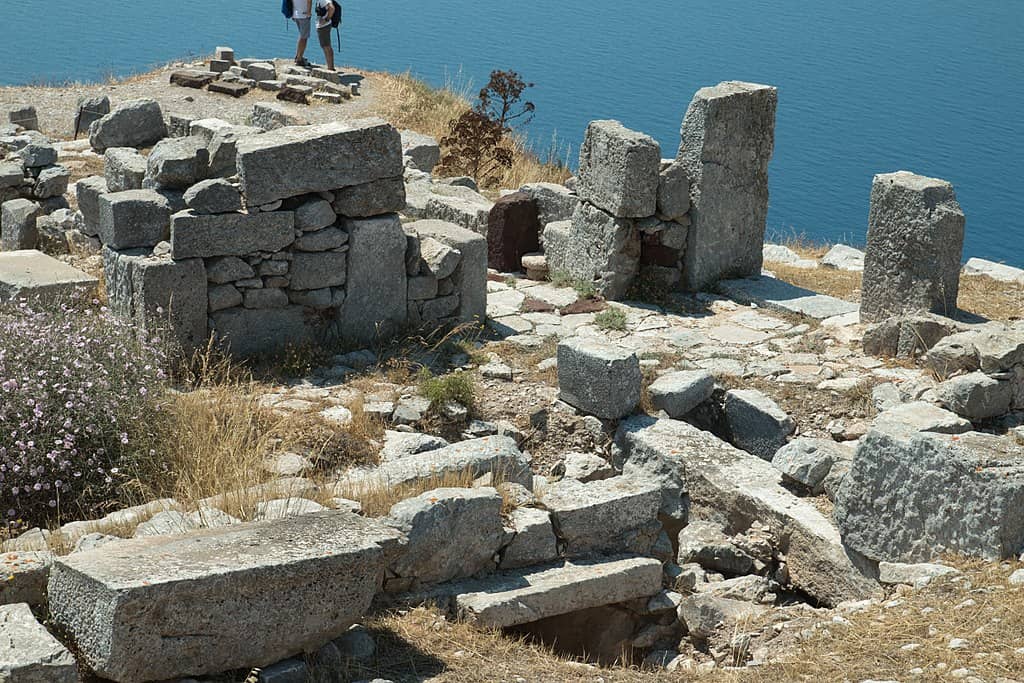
point(293, 161)
point(254, 591)
point(133, 218)
point(598, 249)
point(917, 575)
point(246, 332)
point(421, 151)
point(177, 163)
point(224, 149)
point(756, 423)
point(315, 214)
point(322, 240)
point(513, 229)
point(915, 241)
point(976, 396)
point(272, 115)
point(87, 194)
point(30, 273)
point(587, 467)
point(534, 541)
point(18, 224)
point(232, 88)
point(452, 533)
point(124, 169)
point(400, 444)
point(996, 271)
point(375, 305)
point(704, 615)
point(28, 653)
point(371, 199)
point(554, 202)
point(673, 192)
point(907, 336)
point(460, 205)
point(230, 234)
point(607, 515)
point(728, 135)
point(213, 196)
point(774, 294)
point(911, 496)
point(736, 488)
point(137, 123)
point(265, 298)
point(12, 174)
point(598, 378)
point(809, 461)
point(192, 78)
point(619, 170)
point(316, 270)
point(220, 297)
point(228, 269)
point(514, 598)
point(38, 154)
point(708, 545)
point(842, 257)
point(678, 393)
point(24, 116)
point(52, 181)
point(1000, 350)
point(437, 258)
point(470, 277)
point(24, 577)
point(923, 417)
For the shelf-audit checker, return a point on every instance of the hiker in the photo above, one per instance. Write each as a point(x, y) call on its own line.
point(325, 10)
point(301, 17)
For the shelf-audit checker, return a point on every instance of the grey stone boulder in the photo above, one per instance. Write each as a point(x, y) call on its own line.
point(452, 533)
point(133, 219)
point(457, 204)
point(87, 194)
point(370, 199)
point(124, 169)
point(598, 378)
point(704, 615)
point(618, 170)
point(437, 258)
point(313, 215)
point(976, 396)
point(322, 240)
point(223, 150)
point(420, 151)
point(597, 248)
point(255, 590)
point(25, 574)
point(673, 192)
point(953, 354)
point(916, 575)
point(230, 234)
point(29, 654)
point(679, 393)
point(288, 162)
point(272, 115)
point(177, 163)
point(842, 257)
point(224, 269)
point(727, 140)
point(911, 496)
point(922, 417)
point(1000, 350)
point(707, 544)
point(915, 240)
point(554, 202)
point(756, 423)
point(137, 123)
point(400, 444)
point(19, 224)
point(809, 461)
point(470, 277)
point(609, 515)
point(587, 467)
point(24, 116)
point(213, 196)
point(90, 109)
point(534, 541)
point(52, 181)
point(249, 332)
point(38, 154)
point(318, 270)
point(907, 336)
point(375, 305)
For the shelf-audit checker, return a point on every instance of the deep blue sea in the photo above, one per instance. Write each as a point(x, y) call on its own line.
point(865, 86)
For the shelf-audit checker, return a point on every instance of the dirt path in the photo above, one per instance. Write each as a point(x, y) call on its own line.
point(57, 105)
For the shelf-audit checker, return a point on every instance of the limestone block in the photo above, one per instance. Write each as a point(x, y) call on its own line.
point(24, 577)
point(437, 258)
point(756, 423)
point(460, 205)
point(171, 296)
point(24, 116)
point(12, 175)
point(29, 653)
point(224, 269)
point(316, 270)
point(375, 303)
point(272, 115)
point(261, 71)
point(133, 218)
point(137, 123)
point(587, 467)
point(534, 541)
point(87, 194)
point(598, 378)
point(470, 277)
point(915, 241)
point(224, 149)
point(600, 249)
point(707, 544)
point(322, 240)
point(90, 109)
point(124, 169)
point(371, 199)
point(18, 224)
point(177, 163)
point(608, 515)
point(38, 154)
point(293, 161)
point(52, 181)
point(673, 192)
point(248, 332)
point(421, 151)
point(809, 461)
point(230, 234)
point(255, 590)
point(842, 257)
point(678, 393)
point(916, 575)
point(213, 196)
point(513, 229)
point(619, 170)
point(554, 202)
point(976, 396)
point(727, 139)
point(220, 297)
point(30, 273)
point(922, 417)
point(996, 271)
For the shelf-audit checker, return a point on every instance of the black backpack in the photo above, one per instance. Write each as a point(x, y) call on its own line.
point(287, 9)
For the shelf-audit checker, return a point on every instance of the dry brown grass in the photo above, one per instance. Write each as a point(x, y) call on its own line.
point(841, 284)
point(377, 498)
point(990, 298)
point(410, 103)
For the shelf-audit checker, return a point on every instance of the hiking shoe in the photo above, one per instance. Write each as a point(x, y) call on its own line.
point(303, 62)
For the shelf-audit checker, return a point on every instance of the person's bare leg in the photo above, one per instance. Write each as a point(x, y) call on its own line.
point(329, 56)
point(300, 49)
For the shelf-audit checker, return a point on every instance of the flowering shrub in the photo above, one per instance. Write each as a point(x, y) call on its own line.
point(79, 393)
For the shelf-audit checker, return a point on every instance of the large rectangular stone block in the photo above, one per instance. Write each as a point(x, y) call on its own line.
point(915, 242)
point(133, 218)
point(28, 653)
point(619, 170)
point(599, 249)
point(18, 224)
point(124, 169)
point(371, 199)
point(470, 277)
point(598, 378)
point(291, 161)
point(316, 270)
point(728, 136)
point(30, 273)
point(375, 301)
point(87, 192)
point(241, 596)
point(171, 296)
point(230, 234)
point(248, 332)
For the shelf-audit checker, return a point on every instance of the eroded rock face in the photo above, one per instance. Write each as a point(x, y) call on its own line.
point(915, 242)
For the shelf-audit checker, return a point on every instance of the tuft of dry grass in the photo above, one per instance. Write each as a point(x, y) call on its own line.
point(408, 102)
point(990, 298)
point(378, 497)
point(841, 284)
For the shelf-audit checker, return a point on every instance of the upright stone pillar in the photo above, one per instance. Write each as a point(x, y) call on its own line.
point(915, 242)
point(728, 136)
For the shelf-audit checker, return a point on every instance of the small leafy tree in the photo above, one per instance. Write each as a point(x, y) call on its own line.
point(474, 144)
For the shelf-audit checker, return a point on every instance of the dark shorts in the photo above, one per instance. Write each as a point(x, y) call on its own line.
point(324, 35)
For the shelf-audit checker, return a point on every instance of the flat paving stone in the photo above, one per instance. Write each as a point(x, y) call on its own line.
point(776, 294)
point(31, 273)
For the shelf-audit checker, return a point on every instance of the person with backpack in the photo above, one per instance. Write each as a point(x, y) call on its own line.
point(328, 14)
point(299, 12)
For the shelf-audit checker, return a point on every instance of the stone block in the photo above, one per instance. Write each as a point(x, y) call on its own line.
point(608, 515)
point(673, 192)
point(316, 270)
point(124, 169)
point(922, 417)
point(230, 234)
point(997, 271)
point(224, 53)
point(438, 258)
point(52, 181)
point(470, 277)
point(225, 269)
point(137, 123)
point(265, 298)
point(248, 332)
point(842, 257)
point(513, 229)
point(421, 151)
point(193, 78)
point(554, 202)
point(166, 296)
point(756, 423)
point(915, 242)
point(272, 115)
point(233, 89)
point(30, 654)
point(133, 218)
point(916, 575)
point(679, 393)
point(177, 163)
point(12, 175)
point(24, 116)
point(223, 148)
point(912, 496)
point(29, 273)
point(976, 396)
point(261, 71)
point(727, 140)
point(809, 461)
point(375, 303)
point(293, 161)
point(534, 541)
point(24, 577)
point(38, 154)
point(220, 297)
point(18, 224)
point(314, 214)
point(213, 196)
point(460, 205)
point(619, 170)
point(87, 194)
point(598, 378)
point(371, 199)
point(452, 533)
point(255, 590)
point(599, 249)
point(707, 544)
point(322, 240)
